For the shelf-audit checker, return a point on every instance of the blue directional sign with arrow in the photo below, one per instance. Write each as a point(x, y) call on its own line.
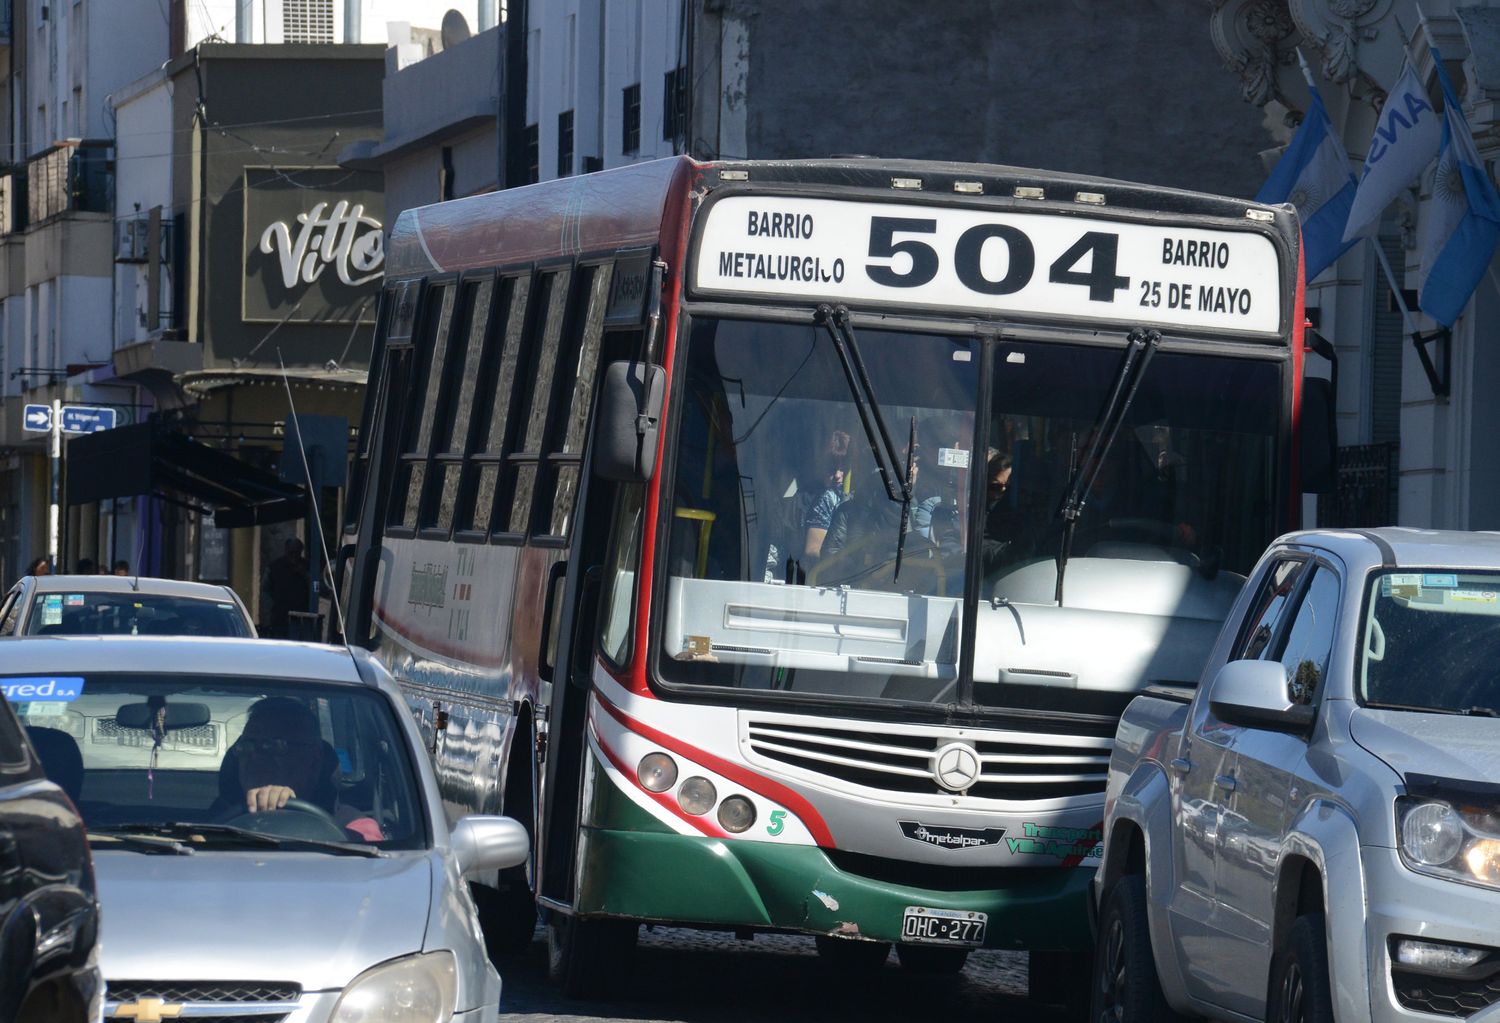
point(85, 418)
point(37, 418)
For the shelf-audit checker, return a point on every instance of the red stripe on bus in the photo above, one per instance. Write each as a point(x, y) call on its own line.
point(1075, 859)
point(734, 772)
point(703, 824)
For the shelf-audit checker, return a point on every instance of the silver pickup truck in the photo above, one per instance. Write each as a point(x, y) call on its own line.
point(1314, 832)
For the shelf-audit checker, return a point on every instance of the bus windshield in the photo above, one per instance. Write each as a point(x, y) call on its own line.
point(792, 567)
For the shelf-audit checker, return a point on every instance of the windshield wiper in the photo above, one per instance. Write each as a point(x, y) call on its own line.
point(187, 829)
point(835, 320)
point(1373, 705)
point(140, 843)
point(1140, 345)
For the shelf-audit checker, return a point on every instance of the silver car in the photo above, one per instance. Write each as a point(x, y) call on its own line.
point(267, 832)
point(1314, 833)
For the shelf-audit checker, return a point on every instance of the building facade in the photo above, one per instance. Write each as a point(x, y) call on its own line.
point(1413, 415)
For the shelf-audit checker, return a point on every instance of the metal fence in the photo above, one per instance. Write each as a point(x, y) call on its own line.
point(1367, 484)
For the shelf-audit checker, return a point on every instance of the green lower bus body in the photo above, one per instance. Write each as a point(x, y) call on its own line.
point(634, 866)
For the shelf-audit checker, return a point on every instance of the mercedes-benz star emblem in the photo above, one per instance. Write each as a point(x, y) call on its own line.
point(956, 766)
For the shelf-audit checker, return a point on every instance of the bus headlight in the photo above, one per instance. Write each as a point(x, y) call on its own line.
point(697, 796)
point(657, 772)
point(736, 814)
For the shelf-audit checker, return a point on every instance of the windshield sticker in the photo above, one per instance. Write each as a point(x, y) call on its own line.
point(1400, 586)
point(52, 610)
point(59, 688)
point(74, 600)
point(953, 458)
point(1441, 582)
point(225, 607)
point(41, 709)
point(1473, 596)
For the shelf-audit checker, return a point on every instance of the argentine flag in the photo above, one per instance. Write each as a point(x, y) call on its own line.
point(1462, 223)
point(1407, 135)
point(1313, 175)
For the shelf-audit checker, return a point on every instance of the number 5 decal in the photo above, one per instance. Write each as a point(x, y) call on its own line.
point(778, 823)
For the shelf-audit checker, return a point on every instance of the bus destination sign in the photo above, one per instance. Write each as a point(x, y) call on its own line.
point(998, 261)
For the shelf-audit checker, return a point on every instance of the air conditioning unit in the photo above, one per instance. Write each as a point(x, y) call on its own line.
point(131, 240)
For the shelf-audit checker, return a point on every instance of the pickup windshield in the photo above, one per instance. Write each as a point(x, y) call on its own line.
point(783, 545)
point(1431, 639)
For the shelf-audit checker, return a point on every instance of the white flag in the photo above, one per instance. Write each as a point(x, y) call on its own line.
point(1406, 139)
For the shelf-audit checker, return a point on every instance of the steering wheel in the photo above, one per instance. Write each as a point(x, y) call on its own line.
point(275, 822)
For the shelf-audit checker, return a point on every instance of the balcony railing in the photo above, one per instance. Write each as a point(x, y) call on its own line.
point(73, 177)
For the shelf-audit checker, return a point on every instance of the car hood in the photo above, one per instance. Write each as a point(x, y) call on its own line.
point(308, 918)
point(1445, 745)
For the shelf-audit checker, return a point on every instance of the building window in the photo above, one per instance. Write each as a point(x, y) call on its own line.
point(565, 143)
point(631, 119)
point(533, 153)
point(674, 104)
point(307, 21)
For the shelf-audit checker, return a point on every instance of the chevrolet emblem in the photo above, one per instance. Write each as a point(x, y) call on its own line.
point(147, 1010)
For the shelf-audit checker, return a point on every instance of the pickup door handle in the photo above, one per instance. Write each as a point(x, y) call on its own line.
point(1225, 782)
point(1182, 765)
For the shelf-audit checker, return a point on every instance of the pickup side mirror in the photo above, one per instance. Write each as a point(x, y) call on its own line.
point(489, 843)
point(1254, 694)
point(628, 421)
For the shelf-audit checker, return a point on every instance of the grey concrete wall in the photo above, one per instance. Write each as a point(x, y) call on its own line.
point(1126, 88)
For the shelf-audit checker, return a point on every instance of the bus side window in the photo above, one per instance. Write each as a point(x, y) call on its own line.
point(454, 414)
point(432, 352)
point(578, 364)
point(537, 396)
point(480, 490)
point(617, 602)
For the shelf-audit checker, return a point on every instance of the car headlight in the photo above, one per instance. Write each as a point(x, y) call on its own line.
point(414, 989)
point(1458, 842)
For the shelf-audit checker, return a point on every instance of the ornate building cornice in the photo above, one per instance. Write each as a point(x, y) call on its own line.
point(1256, 38)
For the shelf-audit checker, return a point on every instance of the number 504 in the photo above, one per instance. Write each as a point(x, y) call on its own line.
point(1100, 278)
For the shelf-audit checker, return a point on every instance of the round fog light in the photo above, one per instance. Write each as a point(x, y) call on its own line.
point(736, 814)
point(657, 772)
point(697, 796)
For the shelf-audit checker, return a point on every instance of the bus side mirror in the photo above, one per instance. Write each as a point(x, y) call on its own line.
point(629, 421)
point(1318, 438)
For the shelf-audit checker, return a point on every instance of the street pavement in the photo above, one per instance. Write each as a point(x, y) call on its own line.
point(685, 976)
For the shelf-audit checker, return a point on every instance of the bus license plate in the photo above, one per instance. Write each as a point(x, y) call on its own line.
point(943, 926)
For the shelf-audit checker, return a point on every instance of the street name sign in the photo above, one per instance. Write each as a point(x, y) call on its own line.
point(84, 418)
point(37, 419)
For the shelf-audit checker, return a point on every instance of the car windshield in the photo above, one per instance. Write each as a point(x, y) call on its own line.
point(1431, 640)
point(165, 754)
point(81, 613)
point(792, 566)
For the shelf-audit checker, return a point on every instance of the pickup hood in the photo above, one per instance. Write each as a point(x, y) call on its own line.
point(309, 918)
point(1444, 745)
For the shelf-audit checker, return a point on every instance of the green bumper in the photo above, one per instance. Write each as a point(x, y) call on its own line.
point(636, 868)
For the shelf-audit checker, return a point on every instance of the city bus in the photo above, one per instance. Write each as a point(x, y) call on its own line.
point(781, 541)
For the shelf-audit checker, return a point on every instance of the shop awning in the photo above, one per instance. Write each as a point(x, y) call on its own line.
point(149, 458)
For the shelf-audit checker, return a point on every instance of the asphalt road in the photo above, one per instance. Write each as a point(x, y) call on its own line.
point(683, 976)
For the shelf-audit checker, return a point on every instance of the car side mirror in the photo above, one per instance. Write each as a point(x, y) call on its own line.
point(628, 421)
point(1254, 694)
point(483, 843)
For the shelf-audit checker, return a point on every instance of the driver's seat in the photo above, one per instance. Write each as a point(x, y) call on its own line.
point(232, 793)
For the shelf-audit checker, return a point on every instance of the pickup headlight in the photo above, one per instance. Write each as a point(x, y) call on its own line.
point(414, 989)
point(1460, 843)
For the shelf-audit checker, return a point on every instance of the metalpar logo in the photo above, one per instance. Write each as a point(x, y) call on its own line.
point(951, 837)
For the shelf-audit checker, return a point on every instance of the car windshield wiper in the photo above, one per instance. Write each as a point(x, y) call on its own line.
point(140, 843)
point(187, 829)
point(1140, 345)
point(1373, 705)
point(835, 320)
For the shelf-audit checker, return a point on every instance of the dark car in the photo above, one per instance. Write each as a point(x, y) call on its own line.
point(49, 916)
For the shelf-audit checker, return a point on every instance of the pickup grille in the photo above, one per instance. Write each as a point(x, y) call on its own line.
point(1016, 766)
point(1458, 998)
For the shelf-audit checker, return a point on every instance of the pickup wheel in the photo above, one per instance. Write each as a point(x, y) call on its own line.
point(1299, 975)
point(1126, 988)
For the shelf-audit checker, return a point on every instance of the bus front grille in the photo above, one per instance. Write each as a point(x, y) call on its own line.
point(1015, 766)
